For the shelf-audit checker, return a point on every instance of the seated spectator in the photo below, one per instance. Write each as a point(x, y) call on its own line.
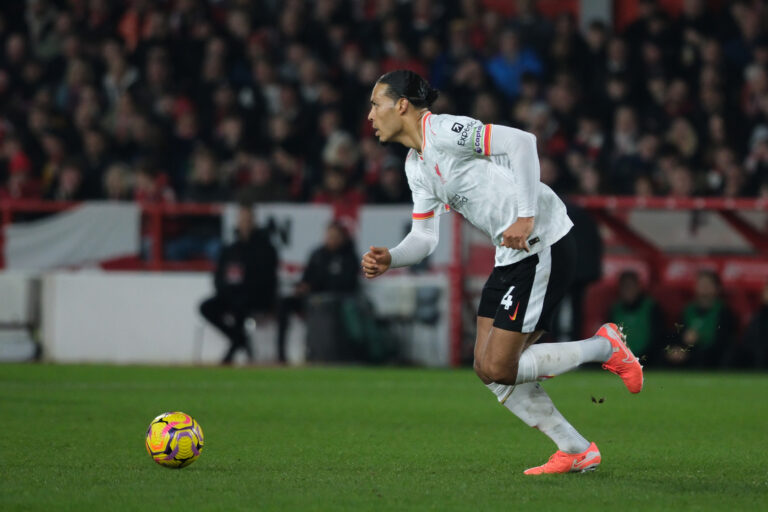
point(19, 183)
point(707, 327)
point(641, 317)
point(151, 186)
point(337, 192)
point(245, 281)
point(205, 185)
point(391, 187)
point(333, 267)
point(118, 183)
point(68, 184)
point(200, 236)
point(262, 187)
point(512, 61)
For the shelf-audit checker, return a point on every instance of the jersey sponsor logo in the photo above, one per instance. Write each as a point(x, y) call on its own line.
point(457, 202)
point(457, 127)
point(464, 135)
point(477, 141)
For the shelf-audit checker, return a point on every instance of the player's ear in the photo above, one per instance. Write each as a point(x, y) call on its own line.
point(402, 105)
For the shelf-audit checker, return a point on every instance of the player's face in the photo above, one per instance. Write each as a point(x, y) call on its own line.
point(384, 114)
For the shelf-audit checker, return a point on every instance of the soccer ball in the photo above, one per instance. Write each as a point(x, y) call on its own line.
point(174, 440)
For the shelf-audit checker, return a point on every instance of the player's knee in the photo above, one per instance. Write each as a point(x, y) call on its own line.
point(501, 373)
point(479, 372)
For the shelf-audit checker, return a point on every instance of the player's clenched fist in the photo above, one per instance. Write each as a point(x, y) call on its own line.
point(516, 235)
point(376, 261)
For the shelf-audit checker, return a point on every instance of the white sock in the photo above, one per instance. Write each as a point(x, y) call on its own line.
point(550, 359)
point(530, 403)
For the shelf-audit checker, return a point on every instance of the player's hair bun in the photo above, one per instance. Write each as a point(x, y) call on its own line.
point(407, 84)
point(431, 96)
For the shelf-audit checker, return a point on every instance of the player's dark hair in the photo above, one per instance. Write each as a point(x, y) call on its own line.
point(409, 85)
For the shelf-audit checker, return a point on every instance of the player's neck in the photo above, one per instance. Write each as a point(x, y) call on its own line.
point(411, 135)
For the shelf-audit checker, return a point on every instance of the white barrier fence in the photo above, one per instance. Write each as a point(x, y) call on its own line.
point(153, 318)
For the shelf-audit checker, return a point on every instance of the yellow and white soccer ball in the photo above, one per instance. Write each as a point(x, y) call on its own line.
point(174, 440)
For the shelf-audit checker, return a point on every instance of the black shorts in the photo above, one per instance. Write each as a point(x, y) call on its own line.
point(523, 296)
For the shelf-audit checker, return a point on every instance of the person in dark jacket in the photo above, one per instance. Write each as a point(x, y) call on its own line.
point(754, 347)
point(245, 281)
point(332, 268)
point(589, 267)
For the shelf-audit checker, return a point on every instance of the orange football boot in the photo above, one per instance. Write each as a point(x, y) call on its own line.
point(562, 462)
point(623, 362)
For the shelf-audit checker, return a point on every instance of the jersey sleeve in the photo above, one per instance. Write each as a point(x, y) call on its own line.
point(425, 204)
point(520, 148)
point(467, 138)
point(460, 137)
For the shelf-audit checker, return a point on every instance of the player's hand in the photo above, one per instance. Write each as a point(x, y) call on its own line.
point(376, 261)
point(516, 235)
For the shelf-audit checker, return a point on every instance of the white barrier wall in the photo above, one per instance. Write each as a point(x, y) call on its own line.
point(18, 313)
point(17, 300)
point(125, 317)
point(153, 318)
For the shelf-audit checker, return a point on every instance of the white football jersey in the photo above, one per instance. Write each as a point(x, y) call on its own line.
point(459, 168)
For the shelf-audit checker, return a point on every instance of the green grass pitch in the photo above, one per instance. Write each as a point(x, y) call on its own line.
point(72, 438)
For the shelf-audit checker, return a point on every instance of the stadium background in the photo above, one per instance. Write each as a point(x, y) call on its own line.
point(164, 112)
point(161, 114)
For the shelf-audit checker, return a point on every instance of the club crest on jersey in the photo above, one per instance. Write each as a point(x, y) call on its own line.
point(457, 202)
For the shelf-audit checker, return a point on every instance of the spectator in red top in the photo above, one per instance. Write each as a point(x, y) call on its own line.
point(20, 183)
point(336, 192)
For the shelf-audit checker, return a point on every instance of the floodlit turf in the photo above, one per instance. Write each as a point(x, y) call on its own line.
point(72, 438)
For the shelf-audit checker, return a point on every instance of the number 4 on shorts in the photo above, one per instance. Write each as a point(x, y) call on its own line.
point(506, 301)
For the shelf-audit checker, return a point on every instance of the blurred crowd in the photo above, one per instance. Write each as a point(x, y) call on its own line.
point(707, 333)
point(214, 100)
